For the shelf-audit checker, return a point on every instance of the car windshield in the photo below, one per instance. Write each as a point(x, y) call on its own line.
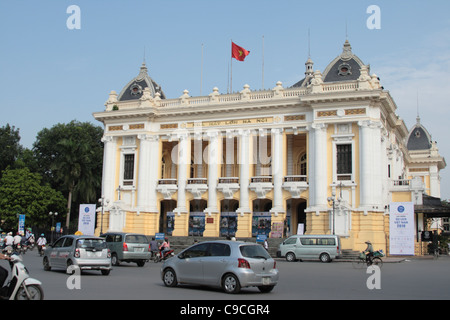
point(91, 243)
point(254, 251)
point(136, 238)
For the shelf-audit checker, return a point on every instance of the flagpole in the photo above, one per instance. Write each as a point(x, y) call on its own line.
point(231, 68)
point(201, 73)
point(262, 62)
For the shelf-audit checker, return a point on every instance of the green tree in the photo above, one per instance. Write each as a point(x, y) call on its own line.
point(22, 192)
point(10, 148)
point(70, 157)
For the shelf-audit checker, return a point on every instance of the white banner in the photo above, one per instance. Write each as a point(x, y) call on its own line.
point(401, 228)
point(86, 219)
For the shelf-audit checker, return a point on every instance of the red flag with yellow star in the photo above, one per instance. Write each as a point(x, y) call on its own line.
point(238, 52)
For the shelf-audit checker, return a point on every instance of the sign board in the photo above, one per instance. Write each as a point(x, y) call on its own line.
point(261, 238)
point(86, 219)
point(401, 228)
point(300, 228)
point(21, 228)
point(159, 236)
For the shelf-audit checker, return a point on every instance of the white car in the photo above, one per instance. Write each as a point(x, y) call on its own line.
point(231, 265)
point(85, 252)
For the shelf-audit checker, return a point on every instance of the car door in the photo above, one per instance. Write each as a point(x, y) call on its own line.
point(190, 264)
point(216, 263)
point(55, 249)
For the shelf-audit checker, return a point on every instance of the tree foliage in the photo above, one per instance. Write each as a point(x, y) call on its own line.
point(10, 147)
point(70, 157)
point(22, 192)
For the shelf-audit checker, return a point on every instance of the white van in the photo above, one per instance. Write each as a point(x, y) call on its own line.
point(322, 247)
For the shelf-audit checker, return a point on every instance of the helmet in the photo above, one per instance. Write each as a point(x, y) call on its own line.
point(42, 234)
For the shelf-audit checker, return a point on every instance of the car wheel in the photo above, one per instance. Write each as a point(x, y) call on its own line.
point(105, 272)
point(46, 264)
point(170, 278)
point(70, 269)
point(325, 257)
point(114, 260)
point(230, 283)
point(265, 289)
point(290, 256)
point(141, 263)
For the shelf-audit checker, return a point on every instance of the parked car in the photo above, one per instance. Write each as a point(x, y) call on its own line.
point(128, 247)
point(85, 252)
point(323, 247)
point(231, 265)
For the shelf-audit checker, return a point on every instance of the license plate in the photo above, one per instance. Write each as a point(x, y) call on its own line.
point(266, 280)
point(138, 249)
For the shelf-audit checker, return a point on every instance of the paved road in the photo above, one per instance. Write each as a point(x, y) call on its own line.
point(410, 279)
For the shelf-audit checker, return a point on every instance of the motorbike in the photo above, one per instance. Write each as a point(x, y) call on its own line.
point(8, 250)
point(41, 250)
point(21, 286)
point(160, 257)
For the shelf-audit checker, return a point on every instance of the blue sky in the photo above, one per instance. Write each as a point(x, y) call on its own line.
point(50, 74)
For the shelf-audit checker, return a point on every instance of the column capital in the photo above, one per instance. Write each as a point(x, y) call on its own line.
point(319, 126)
point(148, 137)
point(107, 139)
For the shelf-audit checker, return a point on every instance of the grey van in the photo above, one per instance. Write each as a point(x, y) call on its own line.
point(322, 247)
point(128, 247)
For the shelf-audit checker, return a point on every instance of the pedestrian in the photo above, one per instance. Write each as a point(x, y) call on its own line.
point(153, 246)
point(266, 244)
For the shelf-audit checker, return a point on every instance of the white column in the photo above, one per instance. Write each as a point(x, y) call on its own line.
point(214, 148)
point(319, 178)
point(244, 174)
point(277, 170)
point(109, 168)
point(183, 161)
point(148, 172)
point(370, 164)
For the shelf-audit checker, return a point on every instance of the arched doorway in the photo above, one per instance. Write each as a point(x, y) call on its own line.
point(261, 221)
point(295, 217)
point(228, 217)
point(197, 217)
point(166, 216)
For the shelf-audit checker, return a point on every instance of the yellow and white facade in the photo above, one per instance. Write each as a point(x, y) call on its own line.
point(327, 155)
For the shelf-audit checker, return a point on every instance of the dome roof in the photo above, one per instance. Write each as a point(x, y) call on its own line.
point(345, 67)
point(419, 138)
point(134, 89)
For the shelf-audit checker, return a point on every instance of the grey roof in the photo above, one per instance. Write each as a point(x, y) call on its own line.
point(134, 89)
point(345, 67)
point(419, 138)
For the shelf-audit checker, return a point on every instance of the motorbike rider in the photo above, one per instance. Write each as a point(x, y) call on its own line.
point(369, 250)
point(9, 240)
point(41, 241)
point(165, 246)
point(17, 240)
point(153, 246)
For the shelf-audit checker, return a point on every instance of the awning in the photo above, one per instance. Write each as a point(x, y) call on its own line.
point(432, 208)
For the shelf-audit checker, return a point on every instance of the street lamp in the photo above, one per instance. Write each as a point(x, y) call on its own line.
point(332, 200)
point(53, 216)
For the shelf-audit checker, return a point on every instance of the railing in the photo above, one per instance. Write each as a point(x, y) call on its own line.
point(216, 97)
point(197, 181)
point(167, 181)
point(229, 180)
point(401, 182)
point(266, 179)
point(297, 178)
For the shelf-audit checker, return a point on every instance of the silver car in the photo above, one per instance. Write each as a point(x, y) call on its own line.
point(231, 265)
point(85, 252)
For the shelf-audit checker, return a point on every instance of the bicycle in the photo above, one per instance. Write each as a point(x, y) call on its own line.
point(362, 260)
